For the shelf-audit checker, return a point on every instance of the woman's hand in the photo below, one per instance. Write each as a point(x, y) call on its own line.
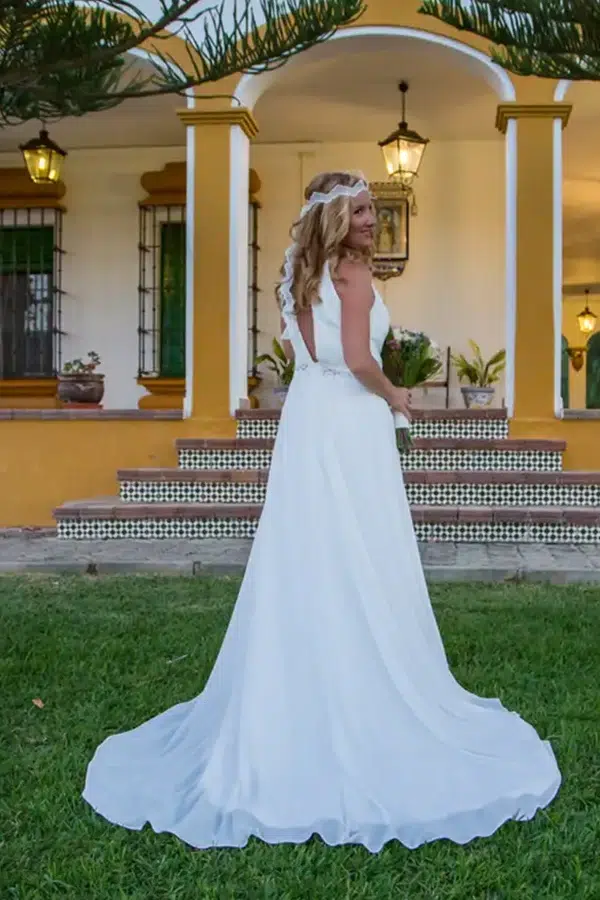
point(400, 399)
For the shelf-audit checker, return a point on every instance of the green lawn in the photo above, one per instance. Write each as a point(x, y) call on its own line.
point(103, 654)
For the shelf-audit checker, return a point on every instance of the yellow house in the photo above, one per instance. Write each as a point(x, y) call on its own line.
point(168, 230)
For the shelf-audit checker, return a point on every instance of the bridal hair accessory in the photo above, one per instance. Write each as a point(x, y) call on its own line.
point(285, 287)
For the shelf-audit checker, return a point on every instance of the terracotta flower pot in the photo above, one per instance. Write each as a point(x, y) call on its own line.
point(80, 388)
point(254, 382)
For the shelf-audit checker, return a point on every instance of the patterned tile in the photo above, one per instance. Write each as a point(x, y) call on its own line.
point(448, 460)
point(503, 494)
point(499, 532)
point(141, 529)
point(443, 459)
point(426, 428)
point(421, 494)
point(224, 459)
point(191, 492)
point(508, 532)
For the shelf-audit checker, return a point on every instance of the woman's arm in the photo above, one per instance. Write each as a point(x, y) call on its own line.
point(354, 287)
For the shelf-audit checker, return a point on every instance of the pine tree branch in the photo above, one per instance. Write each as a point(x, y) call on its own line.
point(58, 59)
point(50, 17)
point(548, 38)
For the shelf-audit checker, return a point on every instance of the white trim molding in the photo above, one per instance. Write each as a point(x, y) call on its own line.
point(557, 259)
point(239, 175)
point(189, 263)
point(560, 92)
point(252, 86)
point(510, 301)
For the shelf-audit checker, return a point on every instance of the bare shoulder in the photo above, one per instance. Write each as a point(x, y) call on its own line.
point(353, 281)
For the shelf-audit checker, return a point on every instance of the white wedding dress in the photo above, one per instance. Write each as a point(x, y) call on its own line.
point(331, 708)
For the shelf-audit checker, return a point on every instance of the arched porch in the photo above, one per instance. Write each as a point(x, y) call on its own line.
point(320, 112)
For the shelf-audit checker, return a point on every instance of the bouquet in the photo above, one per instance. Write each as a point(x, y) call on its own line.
point(409, 359)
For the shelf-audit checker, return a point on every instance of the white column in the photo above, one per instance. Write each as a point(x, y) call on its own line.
point(557, 258)
point(511, 262)
point(189, 264)
point(239, 167)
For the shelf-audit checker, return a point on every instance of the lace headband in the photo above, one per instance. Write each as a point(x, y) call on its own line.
point(287, 282)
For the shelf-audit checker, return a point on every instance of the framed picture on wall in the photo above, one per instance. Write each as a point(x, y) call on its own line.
point(391, 238)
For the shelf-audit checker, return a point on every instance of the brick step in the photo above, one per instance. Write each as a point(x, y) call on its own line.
point(111, 518)
point(441, 423)
point(489, 413)
point(446, 454)
point(430, 488)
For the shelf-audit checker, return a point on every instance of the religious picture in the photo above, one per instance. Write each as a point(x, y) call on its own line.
point(391, 239)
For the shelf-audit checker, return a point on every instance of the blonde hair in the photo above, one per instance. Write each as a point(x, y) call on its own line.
point(319, 237)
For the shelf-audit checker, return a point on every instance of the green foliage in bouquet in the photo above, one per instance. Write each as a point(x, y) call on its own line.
point(410, 358)
point(278, 363)
point(477, 371)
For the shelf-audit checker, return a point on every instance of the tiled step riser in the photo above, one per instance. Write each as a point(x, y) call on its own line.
point(422, 428)
point(420, 494)
point(499, 532)
point(444, 460)
point(185, 492)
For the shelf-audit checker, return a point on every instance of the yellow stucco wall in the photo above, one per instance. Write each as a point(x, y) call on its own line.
point(46, 463)
point(583, 446)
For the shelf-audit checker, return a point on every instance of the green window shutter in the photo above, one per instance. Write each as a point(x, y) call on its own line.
point(27, 250)
point(172, 300)
point(592, 373)
point(564, 372)
point(26, 302)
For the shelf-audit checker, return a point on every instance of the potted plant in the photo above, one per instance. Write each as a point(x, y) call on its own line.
point(481, 375)
point(79, 382)
point(281, 366)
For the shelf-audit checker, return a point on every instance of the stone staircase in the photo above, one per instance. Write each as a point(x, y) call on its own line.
point(466, 481)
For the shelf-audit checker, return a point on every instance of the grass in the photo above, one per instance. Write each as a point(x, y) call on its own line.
point(103, 654)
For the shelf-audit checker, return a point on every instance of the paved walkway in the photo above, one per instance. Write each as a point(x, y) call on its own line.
point(35, 553)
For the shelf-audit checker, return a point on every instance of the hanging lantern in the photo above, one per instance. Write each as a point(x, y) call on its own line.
point(43, 159)
point(403, 150)
point(587, 319)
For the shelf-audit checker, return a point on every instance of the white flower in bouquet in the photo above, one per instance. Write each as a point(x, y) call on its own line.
point(403, 335)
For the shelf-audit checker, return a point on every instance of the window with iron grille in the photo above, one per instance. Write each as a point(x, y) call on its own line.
point(30, 292)
point(161, 325)
point(253, 288)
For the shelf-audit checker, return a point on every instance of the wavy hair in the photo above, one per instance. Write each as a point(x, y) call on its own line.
point(319, 237)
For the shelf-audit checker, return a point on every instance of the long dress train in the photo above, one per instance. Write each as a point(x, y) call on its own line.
point(331, 708)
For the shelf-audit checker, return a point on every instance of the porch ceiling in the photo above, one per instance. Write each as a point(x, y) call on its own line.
point(581, 166)
point(151, 122)
point(347, 91)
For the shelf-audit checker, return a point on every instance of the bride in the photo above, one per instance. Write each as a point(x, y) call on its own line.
point(331, 708)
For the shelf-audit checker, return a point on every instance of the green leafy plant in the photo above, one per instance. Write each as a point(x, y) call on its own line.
point(79, 367)
point(278, 363)
point(547, 38)
point(477, 371)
